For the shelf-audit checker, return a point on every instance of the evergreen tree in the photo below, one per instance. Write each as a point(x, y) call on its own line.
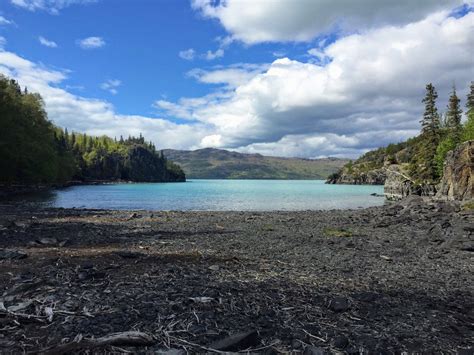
point(468, 129)
point(453, 116)
point(424, 166)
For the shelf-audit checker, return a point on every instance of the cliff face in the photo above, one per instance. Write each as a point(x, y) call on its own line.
point(458, 174)
point(399, 185)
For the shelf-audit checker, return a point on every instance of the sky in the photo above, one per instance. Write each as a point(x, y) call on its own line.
point(306, 78)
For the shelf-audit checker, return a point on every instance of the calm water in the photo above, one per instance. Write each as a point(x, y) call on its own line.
point(216, 195)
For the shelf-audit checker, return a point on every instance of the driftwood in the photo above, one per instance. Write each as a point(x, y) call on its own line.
point(131, 338)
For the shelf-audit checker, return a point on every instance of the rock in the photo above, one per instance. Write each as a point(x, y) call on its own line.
point(458, 174)
point(170, 352)
point(374, 177)
point(129, 254)
point(134, 215)
point(313, 350)
point(214, 267)
point(399, 185)
point(237, 342)
point(340, 342)
point(339, 304)
point(48, 241)
point(10, 254)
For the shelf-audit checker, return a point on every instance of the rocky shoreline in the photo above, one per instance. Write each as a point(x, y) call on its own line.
point(379, 280)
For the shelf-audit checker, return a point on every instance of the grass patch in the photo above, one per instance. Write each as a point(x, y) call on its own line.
point(468, 206)
point(268, 228)
point(342, 233)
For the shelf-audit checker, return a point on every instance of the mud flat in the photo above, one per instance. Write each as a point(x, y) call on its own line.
point(379, 280)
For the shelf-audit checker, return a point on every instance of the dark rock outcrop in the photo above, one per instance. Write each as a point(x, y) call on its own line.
point(374, 177)
point(458, 174)
point(399, 185)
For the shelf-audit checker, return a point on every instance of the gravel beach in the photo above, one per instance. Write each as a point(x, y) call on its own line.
point(391, 279)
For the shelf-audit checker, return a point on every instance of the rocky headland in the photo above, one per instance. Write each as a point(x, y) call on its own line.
point(457, 182)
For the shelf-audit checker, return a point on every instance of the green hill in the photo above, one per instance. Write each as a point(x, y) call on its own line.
point(210, 163)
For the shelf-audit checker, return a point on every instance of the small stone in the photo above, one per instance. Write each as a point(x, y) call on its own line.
point(214, 267)
point(340, 342)
point(12, 254)
point(129, 254)
point(48, 241)
point(237, 342)
point(313, 350)
point(339, 304)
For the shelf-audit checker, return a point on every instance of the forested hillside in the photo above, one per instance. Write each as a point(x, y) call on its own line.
point(210, 163)
point(421, 158)
point(33, 150)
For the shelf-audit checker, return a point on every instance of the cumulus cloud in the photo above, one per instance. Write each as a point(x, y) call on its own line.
point(367, 94)
point(94, 116)
point(187, 54)
point(91, 42)
point(232, 76)
point(111, 86)
point(47, 43)
point(52, 6)
point(302, 20)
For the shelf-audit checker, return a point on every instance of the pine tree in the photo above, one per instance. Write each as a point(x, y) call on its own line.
point(453, 117)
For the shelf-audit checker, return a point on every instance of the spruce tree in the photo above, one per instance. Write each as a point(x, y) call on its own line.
point(453, 117)
point(425, 168)
point(468, 130)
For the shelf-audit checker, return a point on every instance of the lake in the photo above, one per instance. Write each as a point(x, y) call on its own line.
point(217, 195)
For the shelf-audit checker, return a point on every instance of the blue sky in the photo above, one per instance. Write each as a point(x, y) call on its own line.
point(287, 79)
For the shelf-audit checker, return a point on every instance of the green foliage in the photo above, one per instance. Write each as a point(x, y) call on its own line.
point(33, 150)
point(453, 117)
point(447, 143)
point(423, 165)
point(468, 129)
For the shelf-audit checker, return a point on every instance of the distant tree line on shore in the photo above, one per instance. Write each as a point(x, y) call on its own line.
point(33, 150)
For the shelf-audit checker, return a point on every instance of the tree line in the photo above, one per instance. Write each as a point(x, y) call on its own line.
point(441, 133)
point(34, 150)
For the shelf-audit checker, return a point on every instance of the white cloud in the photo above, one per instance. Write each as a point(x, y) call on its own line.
point(3, 41)
point(190, 54)
point(303, 20)
point(111, 86)
point(367, 94)
point(51, 6)
point(94, 116)
point(91, 42)
point(4, 21)
point(47, 43)
point(231, 76)
point(210, 55)
point(187, 54)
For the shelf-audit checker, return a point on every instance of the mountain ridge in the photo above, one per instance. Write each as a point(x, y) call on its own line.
point(214, 163)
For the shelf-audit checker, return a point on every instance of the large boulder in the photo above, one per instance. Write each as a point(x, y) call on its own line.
point(458, 174)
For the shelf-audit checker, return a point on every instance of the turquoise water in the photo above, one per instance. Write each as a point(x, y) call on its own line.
point(219, 195)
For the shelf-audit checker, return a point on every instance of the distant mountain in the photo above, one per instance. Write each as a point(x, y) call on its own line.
point(210, 163)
